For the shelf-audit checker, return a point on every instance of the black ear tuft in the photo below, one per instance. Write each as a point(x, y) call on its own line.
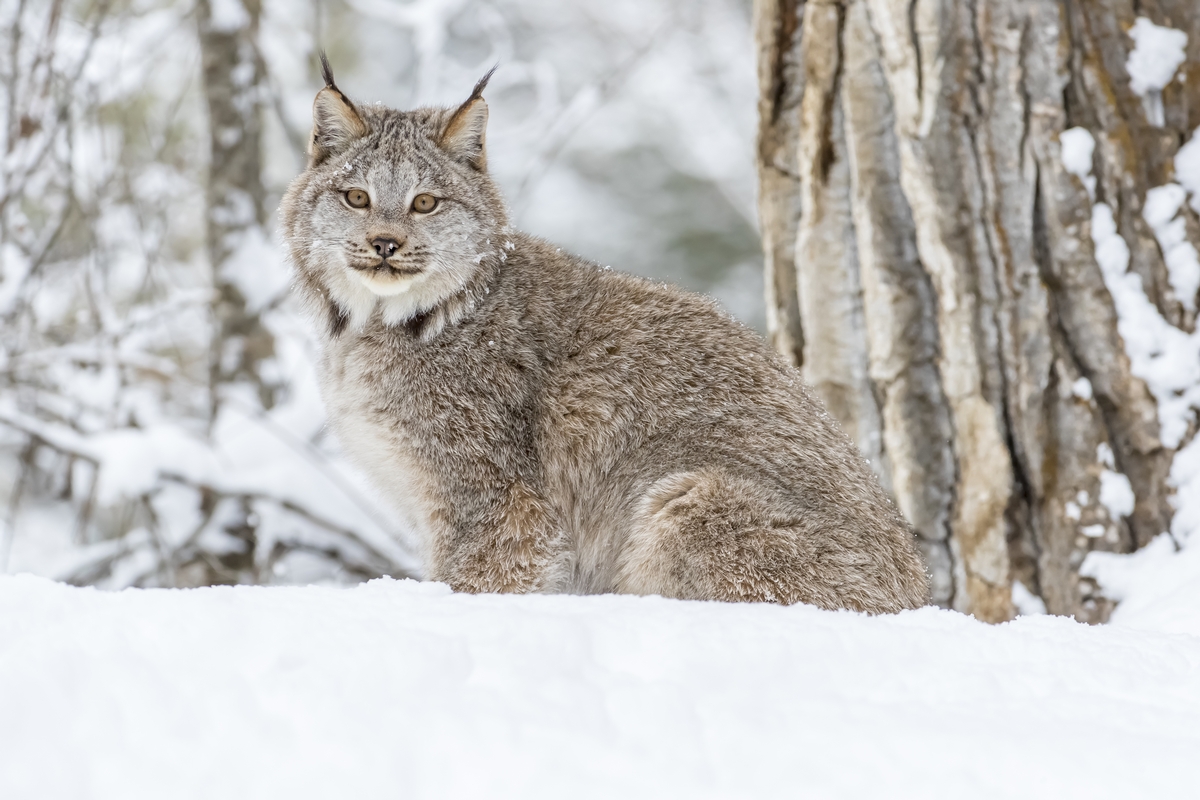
point(481, 84)
point(464, 135)
point(336, 122)
point(327, 71)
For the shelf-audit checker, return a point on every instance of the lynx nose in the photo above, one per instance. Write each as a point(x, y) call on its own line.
point(385, 247)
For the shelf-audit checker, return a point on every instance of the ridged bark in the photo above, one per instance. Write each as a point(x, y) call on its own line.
point(922, 233)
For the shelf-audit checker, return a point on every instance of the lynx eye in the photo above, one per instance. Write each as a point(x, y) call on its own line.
point(357, 198)
point(424, 203)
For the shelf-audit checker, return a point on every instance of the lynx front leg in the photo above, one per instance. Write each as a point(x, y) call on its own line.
point(519, 548)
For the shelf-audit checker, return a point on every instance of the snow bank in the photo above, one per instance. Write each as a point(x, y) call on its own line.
point(405, 690)
point(1158, 587)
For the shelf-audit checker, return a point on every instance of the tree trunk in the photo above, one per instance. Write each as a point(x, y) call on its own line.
point(931, 268)
point(233, 75)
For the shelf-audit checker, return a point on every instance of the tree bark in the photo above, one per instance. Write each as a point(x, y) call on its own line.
point(930, 267)
point(233, 76)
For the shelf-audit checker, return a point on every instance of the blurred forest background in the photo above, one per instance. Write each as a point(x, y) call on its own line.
point(980, 221)
point(159, 423)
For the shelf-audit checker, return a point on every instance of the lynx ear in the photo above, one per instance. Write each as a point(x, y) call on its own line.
point(463, 137)
point(336, 122)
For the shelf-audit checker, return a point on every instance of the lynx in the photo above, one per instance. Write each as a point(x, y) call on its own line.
point(546, 425)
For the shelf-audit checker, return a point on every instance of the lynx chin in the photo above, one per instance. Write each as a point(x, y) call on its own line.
point(545, 425)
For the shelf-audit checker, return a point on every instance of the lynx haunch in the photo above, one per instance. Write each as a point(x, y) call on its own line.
point(545, 425)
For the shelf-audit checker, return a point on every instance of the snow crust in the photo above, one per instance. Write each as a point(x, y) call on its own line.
point(402, 689)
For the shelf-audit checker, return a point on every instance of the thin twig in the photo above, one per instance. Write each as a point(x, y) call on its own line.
point(295, 508)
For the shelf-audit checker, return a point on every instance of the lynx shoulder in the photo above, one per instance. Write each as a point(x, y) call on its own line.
point(545, 425)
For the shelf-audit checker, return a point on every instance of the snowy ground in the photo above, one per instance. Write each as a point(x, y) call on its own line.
point(402, 689)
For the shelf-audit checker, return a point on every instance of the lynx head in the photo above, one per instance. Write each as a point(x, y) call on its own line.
point(395, 209)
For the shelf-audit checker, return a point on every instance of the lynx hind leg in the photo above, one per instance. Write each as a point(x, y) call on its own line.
point(706, 535)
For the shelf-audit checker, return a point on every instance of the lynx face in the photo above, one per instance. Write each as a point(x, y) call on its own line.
point(396, 209)
point(367, 224)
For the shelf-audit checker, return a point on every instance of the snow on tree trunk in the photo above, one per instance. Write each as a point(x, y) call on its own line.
point(927, 202)
point(232, 75)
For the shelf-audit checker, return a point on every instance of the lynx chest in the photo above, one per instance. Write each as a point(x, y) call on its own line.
point(377, 440)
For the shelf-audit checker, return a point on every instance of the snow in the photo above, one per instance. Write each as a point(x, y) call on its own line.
point(228, 15)
point(1158, 587)
point(132, 459)
point(1116, 494)
point(1185, 480)
point(14, 266)
point(256, 269)
point(1187, 168)
point(395, 688)
point(1157, 53)
point(261, 456)
point(1026, 602)
point(1165, 357)
point(1156, 56)
point(1077, 147)
point(1170, 228)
